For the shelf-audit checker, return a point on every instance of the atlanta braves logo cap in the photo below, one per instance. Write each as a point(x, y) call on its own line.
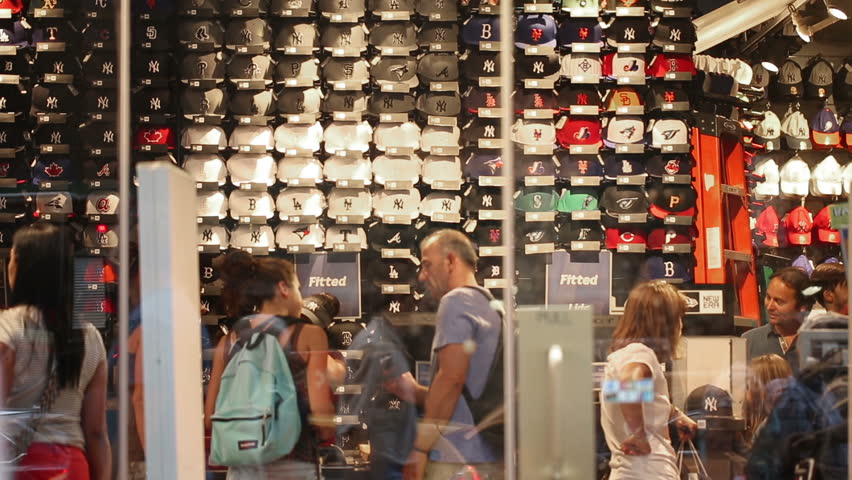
point(349, 8)
point(483, 164)
point(580, 166)
point(206, 167)
point(207, 135)
point(251, 135)
point(298, 136)
point(625, 129)
point(307, 168)
point(311, 235)
point(396, 35)
point(625, 236)
point(535, 30)
point(250, 67)
point(438, 67)
point(673, 200)
point(578, 199)
point(294, 67)
point(580, 30)
point(54, 203)
point(297, 101)
point(213, 235)
point(201, 32)
point(205, 66)
point(444, 104)
point(300, 201)
point(820, 79)
point(403, 168)
point(340, 135)
point(480, 64)
point(349, 201)
point(344, 35)
point(252, 168)
point(247, 102)
point(440, 202)
point(538, 66)
point(441, 168)
point(399, 135)
point(579, 131)
point(338, 168)
point(628, 31)
point(398, 203)
point(394, 70)
point(661, 165)
point(345, 101)
point(253, 236)
point(825, 129)
point(624, 200)
point(384, 236)
point(616, 165)
point(102, 203)
point(483, 28)
point(298, 34)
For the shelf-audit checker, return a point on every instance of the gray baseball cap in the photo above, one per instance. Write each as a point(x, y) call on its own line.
point(346, 69)
point(342, 7)
point(250, 67)
point(344, 101)
point(344, 35)
point(438, 67)
point(297, 101)
point(297, 67)
point(388, 70)
point(397, 35)
point(299, 34)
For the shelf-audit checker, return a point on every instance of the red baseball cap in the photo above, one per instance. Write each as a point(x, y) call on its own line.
point(670, 236)
point(625, 235)
point(580, 131)
point(155, 135)
point(798, 224)
point(822, 225)
point(671, 63)
point(767, 226)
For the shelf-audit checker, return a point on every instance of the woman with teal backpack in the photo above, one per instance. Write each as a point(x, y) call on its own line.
point(263, 293)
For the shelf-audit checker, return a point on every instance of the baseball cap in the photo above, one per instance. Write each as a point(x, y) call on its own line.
point(535, 30)
point(844, 81)
point(578, 199)
point(767, 226)
point(581, 8)
point(311, 235)
point(297, 34)
point(346, 235)
point(98, 136)
point(623, 200)
point(439, 136)
point(300, 201)
point(483, 164)
point(481, 28)
point(624, 129)
point(93, 237)
point(251, 103)
point(580, 30)
point(441, 168)
point(54, 203)
point(348, 168)
point(210, 7)
point(252, 168)
point(580, 131)
point(766, 168)
point(672, 200)
point(339, 69)
point(822, 225)
point(344, 35)
point(251, 135)
point(439, 33)
point(625, 236)
point(392, 272)
point(393, 70)
point(795, 177)
point(203, 135)
point(14, 5)
point(245, 203)
point(403, 168)
point(669, 132)
point(796, 131)
point(344, 101)
point(585, 65)
point(351, 8)
point(533, 132)
point(380, 6)
point(531, 199)
point(213, 102)
point(789, 82)
point(52, 99)
point(571, 232)
point(533, 233)
point(341, 135)
point(480, 64)
point(802, 262)
point(205, 167)
point(768, 132)
point(476, 98)
point(16, 34)
point(620, 98)
point(158, 9)
point(665, 63)
point(628, 31)
point(846, 131)
point(580, 95)
point(55, 33)
point(201, 31)
point(248, 32)
point(616, 165)
point(253, 236)
point(538, 66)
point(671, 268)
point(478, 199)
point(293, 67)
point(820, 79)
point(437, 10)
point(298, 136)
point(440, 202)
point(12, 99)
point(404, 203)
point(308, 168)
point(399, 135)
point(297, 101)
point(51, 134)
point(211, 204)
point(536, 100)
point(436, 67)
point(580, 166)
point(847, 178)
point(826, 178)
point(623, 64)
point(668, 98)
point(674, 8)
point(798, 225)
point(155, 135)
point(213, 235)
point(675, 36)
point(102, 202)
point(709, 401)
point(390, 102)
point(444, 104)
point(535, 166)
point(242, 68)
point(396, 35)
point(349, 201)
point(193, 67)
point(659, 238)
point(383, 236)
point(825, 129)
point(153, 101)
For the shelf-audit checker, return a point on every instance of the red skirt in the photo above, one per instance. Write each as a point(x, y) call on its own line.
point(48, 461)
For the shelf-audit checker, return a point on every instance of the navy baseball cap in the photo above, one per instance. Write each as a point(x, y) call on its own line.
point(535, 30)
point(672, 268)
point(51, 168)
point(661, 165)
point(483, 164)
point(481, 29)
point(15, 35)
point(580, 30)
point(580, 166)
point(620, 165)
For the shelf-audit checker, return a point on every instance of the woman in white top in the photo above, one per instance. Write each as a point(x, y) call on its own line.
point(37, 336)
point(638, 433)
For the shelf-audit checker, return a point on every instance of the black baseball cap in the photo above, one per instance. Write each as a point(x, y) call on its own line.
point(678, 8)
point(534, 100)
point(489, 234)
point(11, 136)
point(98, 136)
point(379, 6)
point(624, 200)
point(533, 233)
point(261, 5)
point(481, 64)
point(154, 101)
point(101, 36)
point(673, 200)
point(439, 33)
point(299, 33)
point(46, 63)
point(669, 98)
point(151, 36)
point(101, 66)
point(661, 165)
point(477, 98)
point(482, 198)
point(100, 169)
point(101, 100)
point(709, 401)
point(580, 95)
point(55, 134)
point(12, 99)
point(444, 104)
point(627, 30)
point(385, 236)
point(392, 272)
point(152, 66)
point(388, 102)
point(52, 98)
point(579, 232)
point(537, 66)
point(206, 7)
point(679, 34)
point(488, 128)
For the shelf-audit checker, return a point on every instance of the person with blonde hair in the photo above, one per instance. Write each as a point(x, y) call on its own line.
point(767, 377)
point(636, 410)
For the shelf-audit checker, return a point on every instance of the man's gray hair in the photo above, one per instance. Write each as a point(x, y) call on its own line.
point(455, 242)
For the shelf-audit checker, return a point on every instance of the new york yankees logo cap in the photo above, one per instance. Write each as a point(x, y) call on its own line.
point(394, 70)
point(446, 10)
point(444, 104)
point(441, 168)
point(338, 168)
point(397, 168)
point(345, 101)
point(312, 235)
point(476, 199)
point(300, 201)
point(53, 134)
point(438, 67)
point(579, 95)
point(253, 236)
point(535, 30)
point(391, 102)
point(52, 98)
point(12, 99)
point(213, 235)
point(252, 168)
point(709, 401)
point(480, 64)
point(154, 101)
point(798, 226)
point(626, 30)
point(797, 134)
point(98, 136)
point(349, 201)
point(477, 128)
point(396, 35)
point(206, 167)
point(789, 82)
point(538, 66)
point(297, 33)
point(248, 33)
point(675, 35)
point(244, 203)
point(401, 203)
point(344, 35)
point(767, 133)
point(440, 202)
point(820, 79)
point(248, 103)
point(438, 33)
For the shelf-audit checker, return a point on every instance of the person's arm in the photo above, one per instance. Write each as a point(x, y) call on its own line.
point(443, 395)
point(406, 388)
point(7, 372)
point(313, 341)
point(93, 416)
point(134, 346)
point(215, 381)
point(336, 370)
point(637, 442)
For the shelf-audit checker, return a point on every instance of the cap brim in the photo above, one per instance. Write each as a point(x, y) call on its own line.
point(794, 143)
point(771, 240)
point(799, 238)
point(826, 139)
point(826, 235)
point(660, 212)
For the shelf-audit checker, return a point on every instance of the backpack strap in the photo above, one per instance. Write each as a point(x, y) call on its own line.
point(498, 350)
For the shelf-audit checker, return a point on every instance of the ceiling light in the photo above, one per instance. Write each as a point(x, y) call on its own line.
point(837, 9)
point(769, 66)
point(803, 29)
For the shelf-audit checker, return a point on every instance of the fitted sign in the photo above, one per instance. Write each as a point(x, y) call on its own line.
point(336, 273)
point(579, 285)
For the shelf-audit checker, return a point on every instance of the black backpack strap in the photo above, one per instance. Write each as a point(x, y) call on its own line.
point(497, 360)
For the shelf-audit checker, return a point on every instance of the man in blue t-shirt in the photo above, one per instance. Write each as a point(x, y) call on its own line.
point(466, 338)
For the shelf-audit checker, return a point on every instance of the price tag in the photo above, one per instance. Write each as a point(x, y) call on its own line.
point(492, 181)
point(490, 112)
point(395, 253)
point(633, 218)
point(585, 246)
point(493, 251)
point(489, 81)
point(538, 113)
point(540, 216)
point(631, 248)
point(446, 217)
point(444, 86)
point(541, 181)
point(489, 46)
point(539, 248)
point(492, 215)
point(586, 215)
point(586, 47)
point(442, 121)
point(447, 184)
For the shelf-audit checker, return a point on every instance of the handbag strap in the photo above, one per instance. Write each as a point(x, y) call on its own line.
point(45, 404)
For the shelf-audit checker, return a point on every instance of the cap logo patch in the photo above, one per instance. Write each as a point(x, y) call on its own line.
point(628, 132)
point(297, 205)
point(398, 204)
point(207, 235)
point(200, 67)
point(3, 137)
point(108, 68)
point(103, 204)
point(630, 33)
point(582, 99)
point(440, 34)
point(821, 92)
point(669, 134)
point(537, 203)
point(345, 39)
point(672, 166)
point(674, 200)
point(626, 203)
point(446, 205)
point(487, 201)
point(711, 404)
point(675, 35)
point(536, 34)
point(628, 3)
point(252, 204)
point(103, 103)
point(4, 169)
point(4, 37)
point(495, 270)
point(490, 131)
point(537, 168)
point(347, 204)
point(669, 97)
point(583, 166)
point(399, 37)
point(255, 237)
point(388, 102)
point(52, 103)
point(109, 136)
point(154, 66)
point(252, 70)
point(151, 32)
point(396, 238)
point(8, 66)
point(394, 307)
point(490, 101)
point(538, 101)
point(587, 202)
point(245, 3)
point(489, 66)
point(626, 167)
point(394, 4)
point(485, 34)
point(392, 272)
point(204, 104)
point(493, 234)
point(4, 203)
point(669, 271)
point(441, 105)
point(343, 4)
point(348, 70)
point(536, 236)
point(672, 65)
point(494, 164)
point(349, 101)
point(51, 31)
point(538, 67)
point(152, 136)
point(246, 35)
point(759, 78)
point(56, 138)
point(537, 134)
point(399, 71)
point(202, 34)
point(625, 98)
point(585, 65)
point(583, 33)
point(57, 202)
point(802, 226)
point(297, 37)
point(2, 103)
point(584, 233)
point(633, 66)
point(583, 134)
point(155, 103)
point(627, 236)
point(295, 67)
point(104, 171)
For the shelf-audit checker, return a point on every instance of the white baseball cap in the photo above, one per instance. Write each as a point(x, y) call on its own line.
point(534, 132)
point(300, 201)
point(206, 167)
point(795, 177)
point(253, 236)
point(54, 203)
point(625, 129)
point(441, 202)
point(92, 238)
point(252, 135)
point(400, 135)
point(252, 168)
point(847, 178)
point(347, 234)
point(300, 168)
point(348, 168)
point(441, 168)
point(245, 203)
point(203, 135)
point(215, 235)
point(348, 136)
point(669, 131)
point(766, 167)
point(827, 178)
point(102, 203)
point(439, 136)
point(403, 203)
point(581, 65)
point(797, 133)
point(301, 234)
point(296, 135)
point(211, 204)
point(768, 131)
point(349, 201)
point(405, 168)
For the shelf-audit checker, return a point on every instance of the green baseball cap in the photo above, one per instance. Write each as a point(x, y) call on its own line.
point(536, 200)
point(581, 8)
point(578, 199)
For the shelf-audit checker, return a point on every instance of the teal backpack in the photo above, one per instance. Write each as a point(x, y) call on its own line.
point(257, 414)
